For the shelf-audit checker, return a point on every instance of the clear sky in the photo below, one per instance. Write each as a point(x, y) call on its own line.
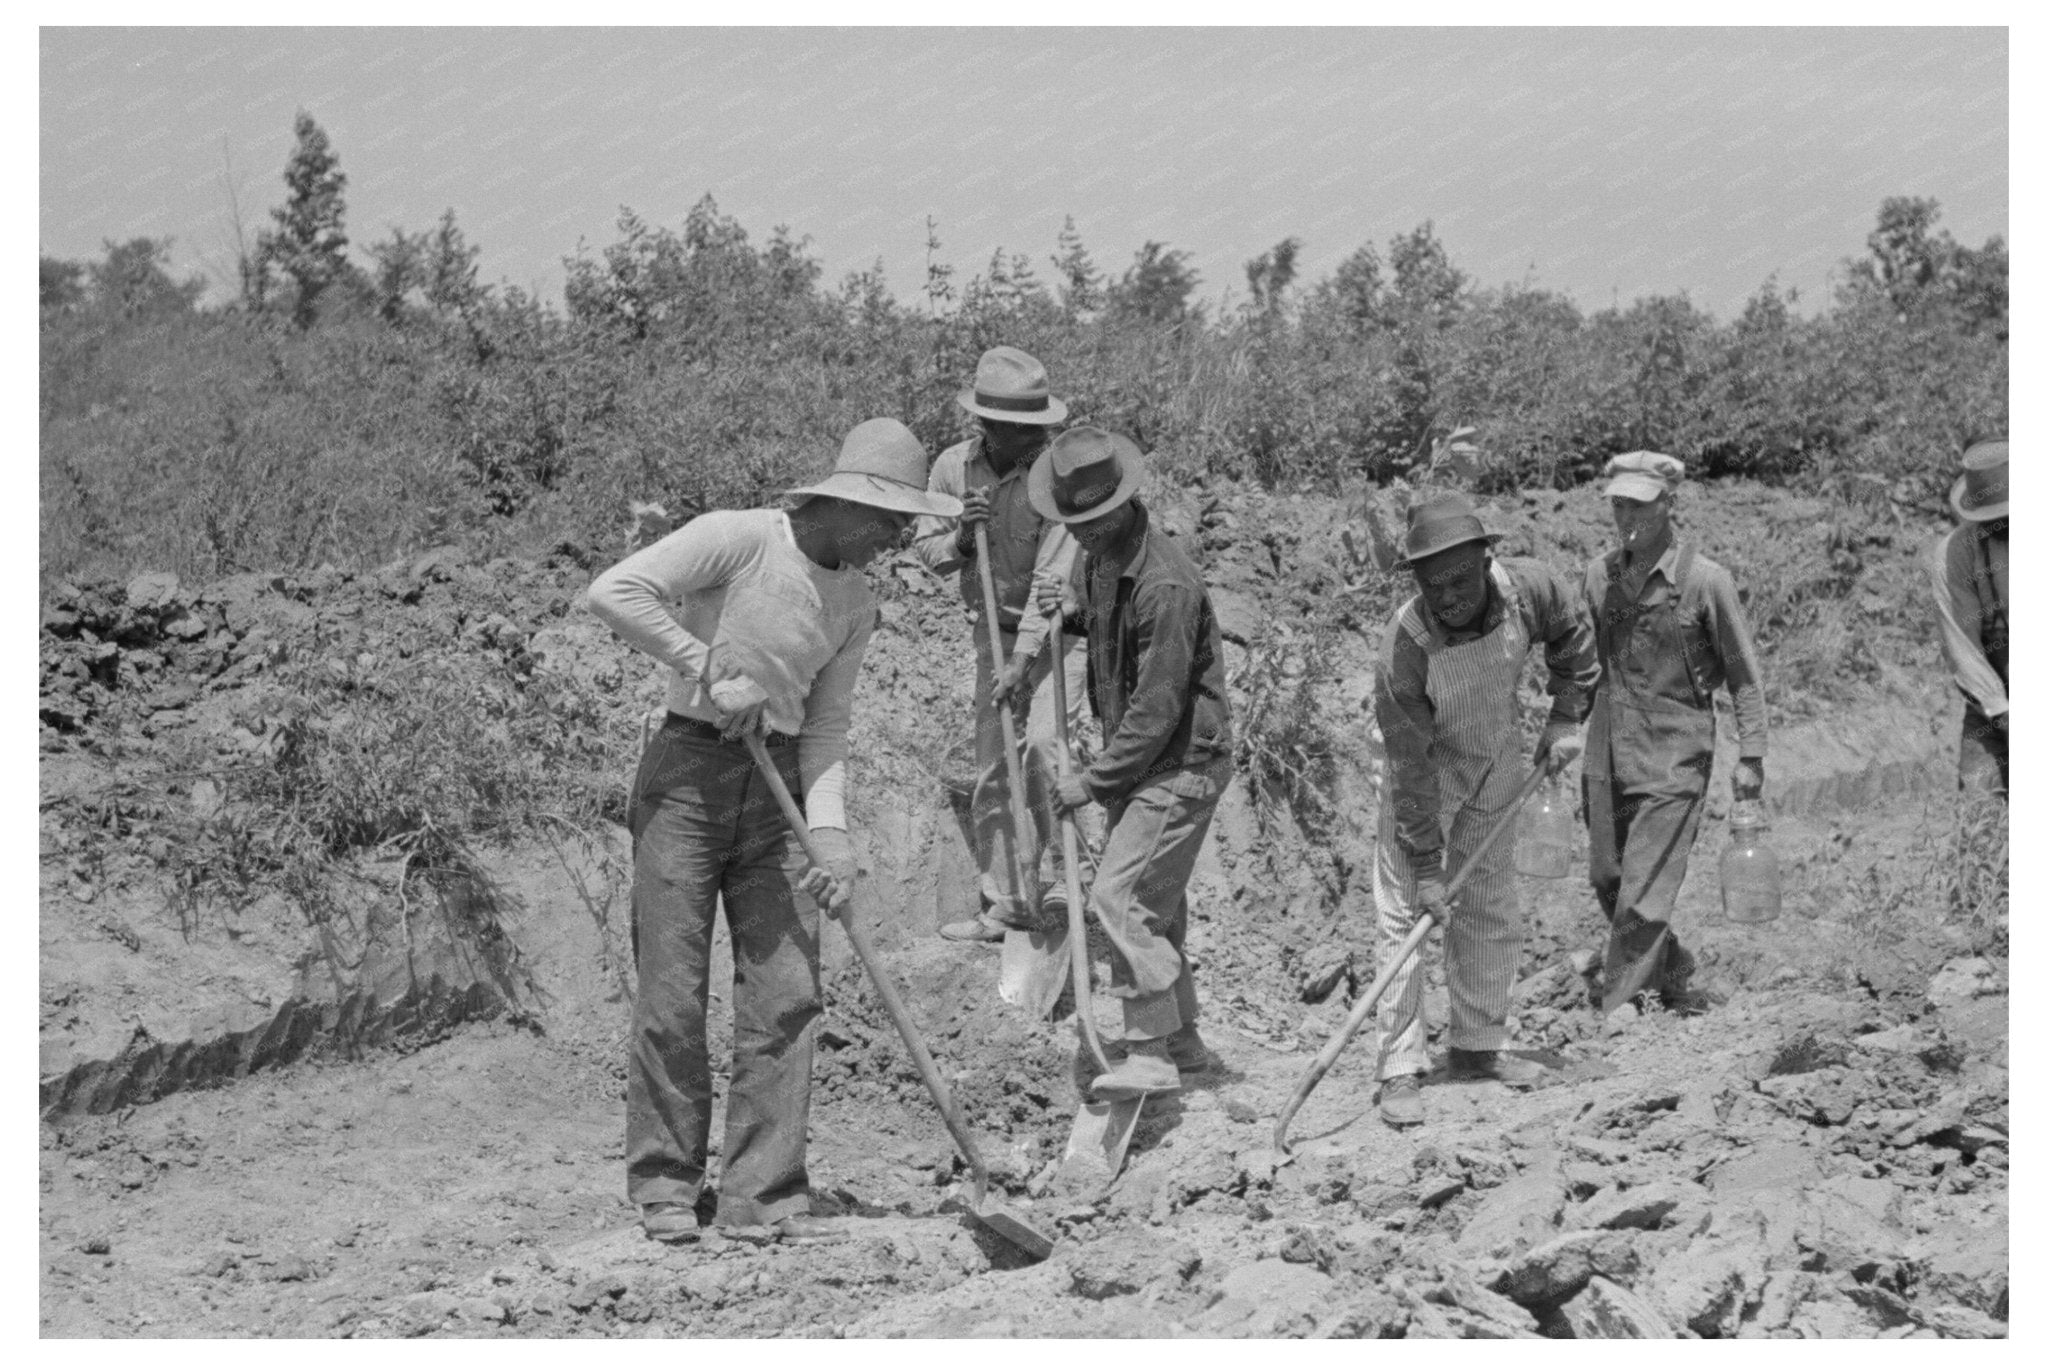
point(1606, 163)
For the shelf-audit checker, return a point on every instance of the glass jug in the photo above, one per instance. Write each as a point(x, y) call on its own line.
point(1544, 833)
point(1751, 889)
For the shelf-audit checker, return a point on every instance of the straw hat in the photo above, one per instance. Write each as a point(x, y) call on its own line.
point(1980, 494)
point(1085, 473)
point(1010, 386)
point(881, 464)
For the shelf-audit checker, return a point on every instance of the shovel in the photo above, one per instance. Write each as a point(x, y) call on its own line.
point(1102, 1129)
point(1424, 922)
point(1034, 969)
point(984, 1209)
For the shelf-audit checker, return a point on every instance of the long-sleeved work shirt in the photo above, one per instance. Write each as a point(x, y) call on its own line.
point(1023, 547)
point(1550, 613)
point(1726, 653)
point(1155, 663)
point(749, 602)
point(1970, 595)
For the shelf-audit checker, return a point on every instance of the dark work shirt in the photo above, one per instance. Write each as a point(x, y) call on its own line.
point(1155, 663)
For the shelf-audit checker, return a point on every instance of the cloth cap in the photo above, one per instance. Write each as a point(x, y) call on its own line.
point(883, 464)
point(1643, 475)
point(1010, 386)
point(1085, 473)
point(1980, 494)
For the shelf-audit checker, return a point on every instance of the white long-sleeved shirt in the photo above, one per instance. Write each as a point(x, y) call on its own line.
point(1960, 599)
point(747, 601)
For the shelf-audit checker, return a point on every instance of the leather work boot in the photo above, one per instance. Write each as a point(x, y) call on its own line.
point(1190, 1054)
point(1400, 1101)
point(666, 1221)
point(1519, 1072)
point(1148, 1069)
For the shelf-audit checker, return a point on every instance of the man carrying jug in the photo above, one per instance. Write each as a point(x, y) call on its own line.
point(1670, 630)
point(1445, 698)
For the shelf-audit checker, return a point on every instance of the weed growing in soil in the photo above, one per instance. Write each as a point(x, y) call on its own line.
point(1283, 739)
point(1956, 867)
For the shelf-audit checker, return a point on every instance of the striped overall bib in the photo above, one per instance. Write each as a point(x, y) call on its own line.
point(1477, 751)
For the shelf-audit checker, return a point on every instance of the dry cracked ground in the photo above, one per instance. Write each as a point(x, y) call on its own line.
point(256, 1126)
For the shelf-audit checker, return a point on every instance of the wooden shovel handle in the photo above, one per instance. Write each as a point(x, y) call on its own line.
point(1070, 839)
point(1019, 815)
point(856, 932)
point(1364, 1008)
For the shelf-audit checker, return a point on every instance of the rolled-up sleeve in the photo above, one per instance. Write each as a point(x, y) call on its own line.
point(1961, 617)
point(934, 541)
point(1562, 623)
point(1407, 724)
point(1166, 625)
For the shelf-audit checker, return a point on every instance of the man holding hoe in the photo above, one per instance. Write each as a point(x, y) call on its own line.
point(1156, 679)
point(1015, 411)
point(1444, 696)
point(761, 618)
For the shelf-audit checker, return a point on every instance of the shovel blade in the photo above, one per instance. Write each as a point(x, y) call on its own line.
point(1096, 1147)
point(1034, 970)
point(1012, 1228)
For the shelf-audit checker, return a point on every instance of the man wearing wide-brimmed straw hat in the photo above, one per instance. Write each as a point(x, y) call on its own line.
point(1971, 599)
point(760, 618)
point(1015, 412)
point(1445, 698)
point(1671, 630)
point(1156, 680)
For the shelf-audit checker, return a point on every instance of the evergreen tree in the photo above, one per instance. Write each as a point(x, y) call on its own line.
point(307, 245)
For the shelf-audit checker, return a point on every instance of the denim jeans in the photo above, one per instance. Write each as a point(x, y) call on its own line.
point(706, 828)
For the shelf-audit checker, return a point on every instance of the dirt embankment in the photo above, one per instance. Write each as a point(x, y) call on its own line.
point(1823, 1155)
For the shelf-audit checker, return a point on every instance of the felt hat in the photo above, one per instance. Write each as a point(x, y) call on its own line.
point(882, 464)
point(1010, 386)
point(1085, 473)
point(1444, 521)
point(1643, 475)
point(1980, 495)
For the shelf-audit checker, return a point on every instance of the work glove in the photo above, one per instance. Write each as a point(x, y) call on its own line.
point(1011, 689)
point(1069, 794)
point(831, 886)
point(1747, 781)
point(1433, 897)
point(1558, 747)
point(973, 512)
point(740, 701)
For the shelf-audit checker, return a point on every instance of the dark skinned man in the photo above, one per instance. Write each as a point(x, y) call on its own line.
point(1014, 412)
point(1971, 596)
point(1445, 700)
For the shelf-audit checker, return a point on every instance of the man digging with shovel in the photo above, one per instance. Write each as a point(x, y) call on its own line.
point(761, 618)
point(1670, 630)
point(1155, 677)
point(1444, 696)
point(1015, 410)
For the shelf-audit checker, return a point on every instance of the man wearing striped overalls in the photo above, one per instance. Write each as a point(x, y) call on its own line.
point(1447, 710)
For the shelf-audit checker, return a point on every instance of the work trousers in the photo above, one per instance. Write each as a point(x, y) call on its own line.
point(1038, 741)
point(1482, 943)
point(1983, 764)
point(706, 827)
point(1638, 862)
point(1140, 894)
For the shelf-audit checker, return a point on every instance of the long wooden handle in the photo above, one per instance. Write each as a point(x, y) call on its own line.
point(1070, 846)
point(942, 1094)
point(1020, 815)
point(1366, 1003)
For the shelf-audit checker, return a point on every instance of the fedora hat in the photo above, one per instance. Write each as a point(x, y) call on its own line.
point(1010, 386)
point(1979, 495)
point(1643, 475)
point(881, 464)
point(1439, 524)
point(1084, 474)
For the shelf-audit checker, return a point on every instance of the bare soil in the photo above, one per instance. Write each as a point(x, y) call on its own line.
point(1824, 1154)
